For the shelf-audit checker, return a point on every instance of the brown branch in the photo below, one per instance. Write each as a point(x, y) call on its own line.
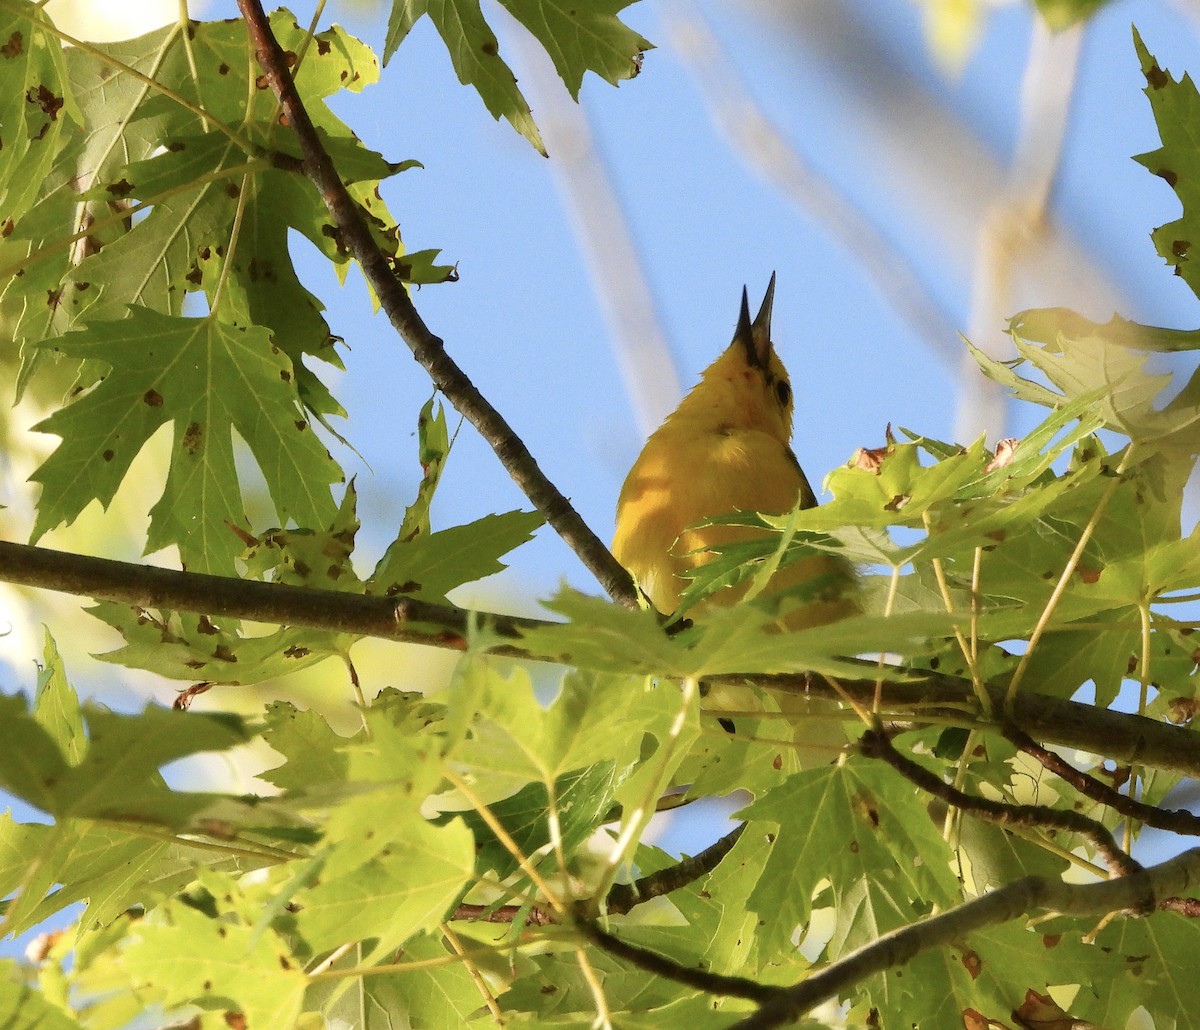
point(1140, 891)
point(622, 897)
point(625, 896)
point(390, 618)
point(1178, 820)
point(531, 915)
point(659, 965)
point(428, 349)
point(875, 744)
point(1158, 887)
point(1120, 735)
point(1116, 734)
point(1013, 901)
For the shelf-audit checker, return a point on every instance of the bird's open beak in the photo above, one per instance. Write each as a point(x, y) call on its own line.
point(762, 323)
point(756, 336)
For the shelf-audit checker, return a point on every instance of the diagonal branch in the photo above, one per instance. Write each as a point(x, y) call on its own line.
point(652, 962)
point(875, 744)
point(1141, 891)
point(1179, 820)
point(763, 145)
point(622, 897)
point(1161, 883)
point(428, 349)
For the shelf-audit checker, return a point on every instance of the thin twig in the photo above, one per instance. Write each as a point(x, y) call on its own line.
point(622, 897)
point(652, 962)
point(875, 744)
point(1178, 820)
point(529, 915)
point(428, 349)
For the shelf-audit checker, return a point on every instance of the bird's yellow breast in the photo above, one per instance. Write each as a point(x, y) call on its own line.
point(687, 473)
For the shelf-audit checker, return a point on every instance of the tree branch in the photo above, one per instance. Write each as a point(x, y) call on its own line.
point(1139, 892)
point(1121, 735)
point(1178, 820)
point(403, 619)
point(875, 744)
point(659, 965)
point(623, 897)
point(763, 146)
point(428, 349)
point(531, 915)
point(1160, 883)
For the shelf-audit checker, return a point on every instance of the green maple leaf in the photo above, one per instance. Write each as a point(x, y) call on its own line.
point(190, 957)
point(1155, 969)
point(579, 37)
point(41, 302)
point(583, 37)
point(192, 191)
point(1176, 106)
point(430, 565)
point(51, 867)
point(36, 103)
point(207, 378)
point(403, 891)
point(859, 822)
point(442, 996)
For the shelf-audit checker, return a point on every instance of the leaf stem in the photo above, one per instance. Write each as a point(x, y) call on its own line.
point(1060, 587)
point(888, 606)
point(968, 650)
point(489, 999)
point(636, 820)
point(514, 849)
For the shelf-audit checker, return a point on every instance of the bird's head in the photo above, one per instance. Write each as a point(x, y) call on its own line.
point(747, 387)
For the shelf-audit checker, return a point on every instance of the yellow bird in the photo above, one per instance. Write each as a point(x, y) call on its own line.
point(724, 449)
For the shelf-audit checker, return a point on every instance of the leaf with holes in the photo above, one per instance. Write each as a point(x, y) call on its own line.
point(207, 379)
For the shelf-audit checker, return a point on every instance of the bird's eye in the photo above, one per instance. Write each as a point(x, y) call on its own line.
point(783, 393)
